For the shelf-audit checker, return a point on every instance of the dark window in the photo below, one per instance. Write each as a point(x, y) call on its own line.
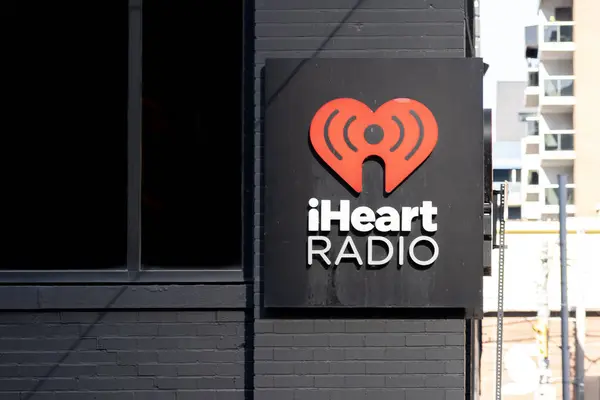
point(559, 87)
point(534, 178)
point(533, 128)
point(84, 108)
point(64, 136)
point(551, 142)
point(563, 13)
point(191, 178)
point(552, 196)
point(501, 175)
point(567, 142)
point(534, 79)
point(558, 33)
point(557, 142)
point(514, 212)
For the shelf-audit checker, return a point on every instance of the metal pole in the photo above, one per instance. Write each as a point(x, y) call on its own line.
point(580, 313)
point(564, 309)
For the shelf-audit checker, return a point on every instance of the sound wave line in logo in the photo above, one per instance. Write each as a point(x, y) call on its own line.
point(402, 133)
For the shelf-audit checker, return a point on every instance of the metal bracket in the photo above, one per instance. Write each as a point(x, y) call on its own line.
point(498, 211)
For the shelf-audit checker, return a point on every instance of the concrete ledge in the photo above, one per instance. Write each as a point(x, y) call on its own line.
point(123, 297)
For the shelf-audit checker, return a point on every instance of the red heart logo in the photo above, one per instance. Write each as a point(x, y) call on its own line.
point(402, 133)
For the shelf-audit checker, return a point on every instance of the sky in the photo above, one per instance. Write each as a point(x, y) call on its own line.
point(502, 24)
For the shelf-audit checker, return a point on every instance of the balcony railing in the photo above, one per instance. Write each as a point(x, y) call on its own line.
point(559, 142)
point(558, 32)
point(551, 195)
point(559, 87)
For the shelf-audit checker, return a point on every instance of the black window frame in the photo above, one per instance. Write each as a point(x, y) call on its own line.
point(133, 272)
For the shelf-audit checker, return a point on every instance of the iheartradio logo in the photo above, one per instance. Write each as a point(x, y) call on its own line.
point(344, 133)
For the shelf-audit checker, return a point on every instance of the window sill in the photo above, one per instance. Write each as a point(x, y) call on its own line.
point(173, 276)
point(123, 297)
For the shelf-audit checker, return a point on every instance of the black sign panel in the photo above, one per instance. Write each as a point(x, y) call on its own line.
point(373, 183)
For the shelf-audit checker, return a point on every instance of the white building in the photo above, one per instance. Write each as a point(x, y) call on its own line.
point(561, 138)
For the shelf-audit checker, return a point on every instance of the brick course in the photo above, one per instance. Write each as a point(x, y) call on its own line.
point(122, 355)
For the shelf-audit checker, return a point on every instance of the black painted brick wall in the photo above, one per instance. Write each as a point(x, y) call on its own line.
point(347, 359)
point(137, 351)
point(359, 359)
point(122, 355)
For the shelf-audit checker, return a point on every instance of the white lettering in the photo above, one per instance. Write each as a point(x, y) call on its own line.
point(390, 250)
point(434, 256)
point(320, 247)
point(328, 215)
point(348, 242)
point(313, 215)
point(362, 219)
point(312, 252)
point(401, 250)
point(428, 211)
point(408, 214)
point(388, 220)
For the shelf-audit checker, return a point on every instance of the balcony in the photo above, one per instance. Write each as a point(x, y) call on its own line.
point(551, 199)
point(558, 94)
point(557, 43)
point(558, 149)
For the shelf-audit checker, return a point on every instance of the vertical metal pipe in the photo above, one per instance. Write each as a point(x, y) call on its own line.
point(542, 324)
point(564, 308)
point(580, 314)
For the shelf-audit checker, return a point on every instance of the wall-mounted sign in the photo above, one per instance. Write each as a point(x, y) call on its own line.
point(373, 183)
